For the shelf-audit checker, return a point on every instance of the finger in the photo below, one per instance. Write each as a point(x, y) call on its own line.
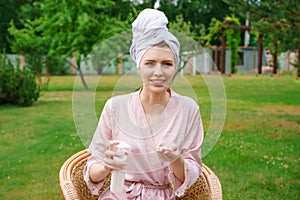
point(112, 144)
point(171, 157)
point(159, 150)
point(113, 161)
point(110, 154)
point(112, 167)
point(174, 157)
point(173, 147)
point(160, 155)
point(114, 164)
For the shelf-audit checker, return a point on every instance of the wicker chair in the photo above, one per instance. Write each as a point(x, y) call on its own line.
point(73, 186)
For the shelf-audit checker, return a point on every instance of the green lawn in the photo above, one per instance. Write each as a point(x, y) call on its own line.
point(256, 157)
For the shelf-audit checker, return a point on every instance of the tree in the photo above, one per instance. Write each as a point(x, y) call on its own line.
point(198, 12)
point(28, 43)
point(27, 40)
point(278, 21)
point(9, 10)
point(195, 11)
point(188, 39)
point(76, 26)
point(291, 10)
point(186, 27)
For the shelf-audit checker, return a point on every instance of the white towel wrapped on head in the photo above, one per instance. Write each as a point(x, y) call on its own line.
point(149, 29)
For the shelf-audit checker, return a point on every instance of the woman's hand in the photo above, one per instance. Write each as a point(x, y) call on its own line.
point(169, 154)
point(114, 160)
point(98, 171)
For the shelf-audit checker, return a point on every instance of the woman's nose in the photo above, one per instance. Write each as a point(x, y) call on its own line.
point(158, 70)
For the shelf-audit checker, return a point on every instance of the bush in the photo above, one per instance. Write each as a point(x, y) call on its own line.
point(17, 87)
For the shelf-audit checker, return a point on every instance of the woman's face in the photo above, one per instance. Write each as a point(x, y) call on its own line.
point(157, 69)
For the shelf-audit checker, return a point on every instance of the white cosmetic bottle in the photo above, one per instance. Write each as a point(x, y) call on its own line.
point(118, 176)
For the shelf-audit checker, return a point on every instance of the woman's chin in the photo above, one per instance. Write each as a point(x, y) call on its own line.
point(157, 88)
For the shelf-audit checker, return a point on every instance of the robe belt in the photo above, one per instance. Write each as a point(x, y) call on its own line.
point(137, 189)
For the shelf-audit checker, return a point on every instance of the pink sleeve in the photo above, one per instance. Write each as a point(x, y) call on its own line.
point(191, 153)
point(94, 187)
point(98, 146)
point(191, 175)
point(103, 133)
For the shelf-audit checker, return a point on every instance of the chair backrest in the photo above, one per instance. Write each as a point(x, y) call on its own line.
point(73, 186)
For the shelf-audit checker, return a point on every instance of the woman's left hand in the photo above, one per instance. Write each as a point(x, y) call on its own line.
point(169, 153)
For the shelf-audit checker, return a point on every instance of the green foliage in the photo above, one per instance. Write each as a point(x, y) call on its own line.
point(106, 53)
point(214, 31)
point(195, 11)
point(9, 10)
point(195, 31)
point(277, 20)
point(17, 87)
point(296, 64)
point(29, 42)
point(189, 39)
point(61, 29)
point(77, 26)
point(182, 26)
point(232, 37)
point(233, 40)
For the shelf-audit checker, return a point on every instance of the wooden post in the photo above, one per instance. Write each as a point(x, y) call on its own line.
point(260, 52)
point(275, 59)
point(223, 43)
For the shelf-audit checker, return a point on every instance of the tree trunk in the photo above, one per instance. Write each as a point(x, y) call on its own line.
point(73, 63)
point(82, 77)
point(47, 81)
point(39, 78)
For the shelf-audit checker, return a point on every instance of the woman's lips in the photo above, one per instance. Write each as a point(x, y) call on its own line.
point(157, 82)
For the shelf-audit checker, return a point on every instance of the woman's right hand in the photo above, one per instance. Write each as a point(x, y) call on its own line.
point(109, 162)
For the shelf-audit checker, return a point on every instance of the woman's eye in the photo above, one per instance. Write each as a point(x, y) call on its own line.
point(168, 64)
point(149, 64)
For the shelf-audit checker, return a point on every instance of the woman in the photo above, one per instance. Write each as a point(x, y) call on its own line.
point(163, 128)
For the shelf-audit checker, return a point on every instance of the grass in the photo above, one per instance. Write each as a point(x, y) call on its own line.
point(256, 157)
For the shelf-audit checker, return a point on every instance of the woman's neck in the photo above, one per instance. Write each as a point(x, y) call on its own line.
point(150, 99)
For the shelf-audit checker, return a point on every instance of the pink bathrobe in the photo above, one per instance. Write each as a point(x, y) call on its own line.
point(147, 177)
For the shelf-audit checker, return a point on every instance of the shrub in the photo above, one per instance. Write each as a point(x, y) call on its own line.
point(17, 87)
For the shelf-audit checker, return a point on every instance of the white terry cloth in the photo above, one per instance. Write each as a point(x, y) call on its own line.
point(149, 29)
